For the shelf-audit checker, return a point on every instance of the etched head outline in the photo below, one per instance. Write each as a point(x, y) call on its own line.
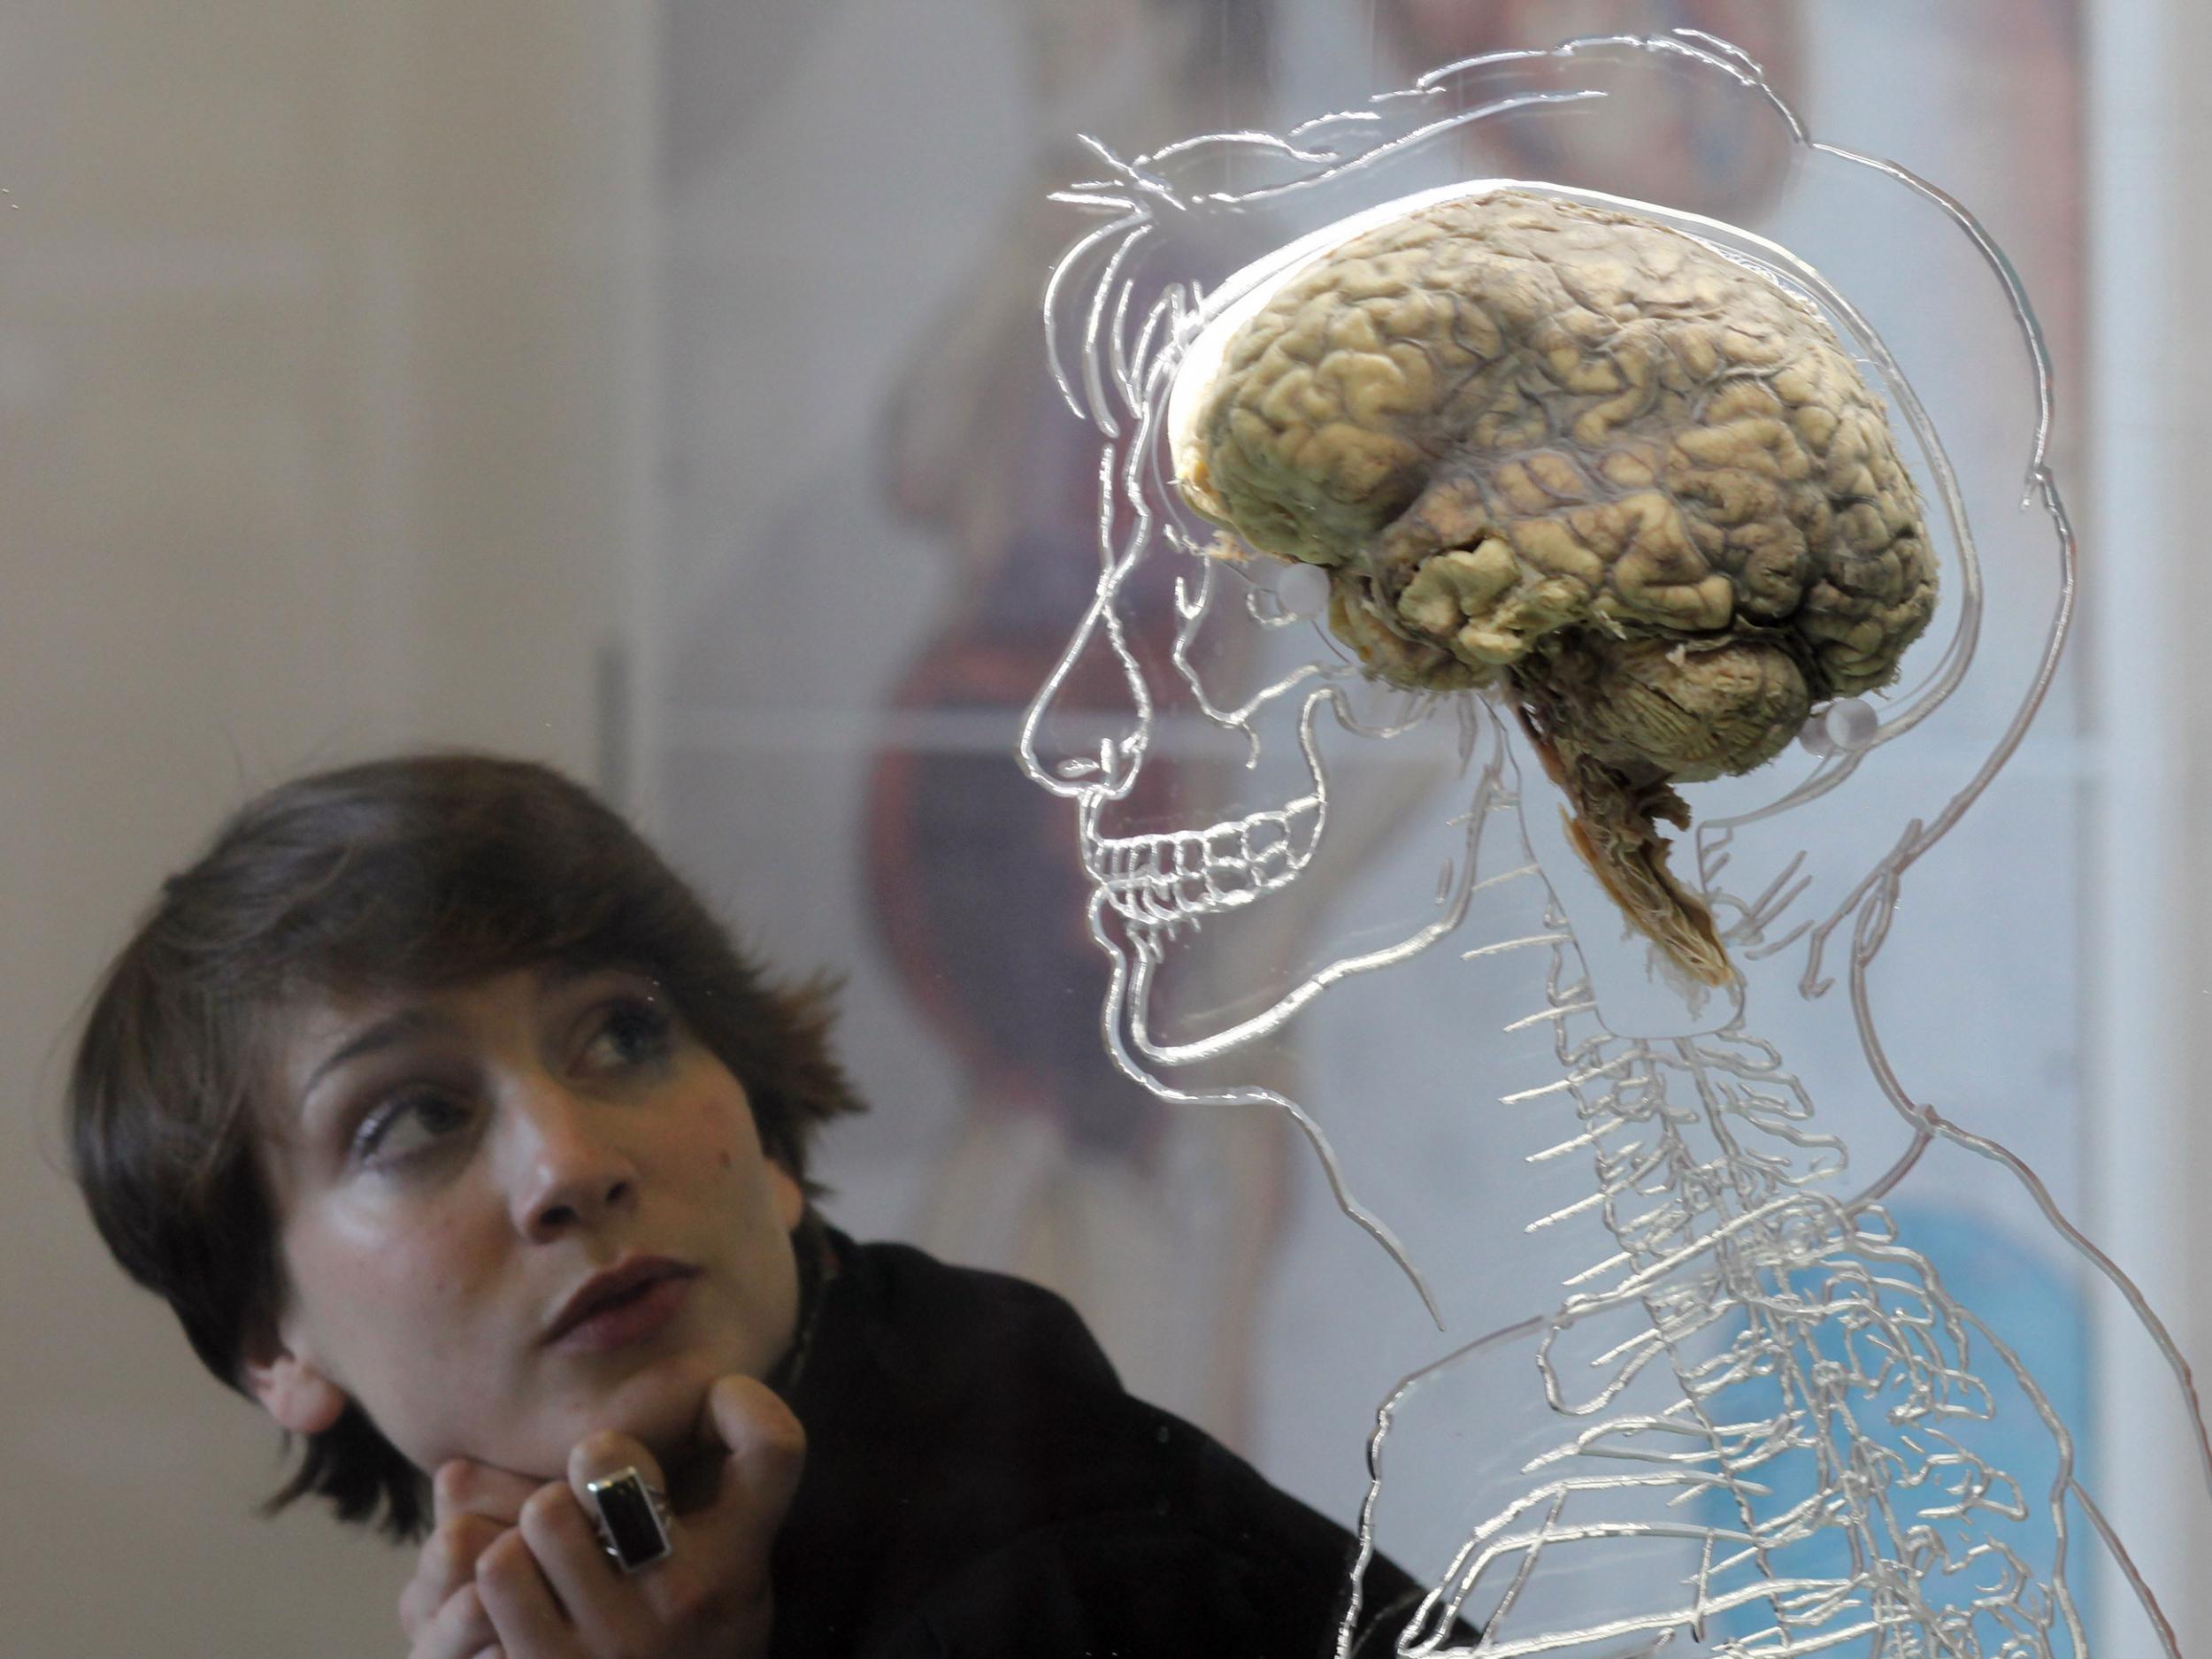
point(1137, 358)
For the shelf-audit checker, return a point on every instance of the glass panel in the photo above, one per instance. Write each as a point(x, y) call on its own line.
point(938, 486)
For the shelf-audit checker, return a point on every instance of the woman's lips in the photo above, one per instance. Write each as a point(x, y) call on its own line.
point(634, 1316)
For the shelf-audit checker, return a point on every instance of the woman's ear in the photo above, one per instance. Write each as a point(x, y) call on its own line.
point(790, 1196)
point(291, 1388)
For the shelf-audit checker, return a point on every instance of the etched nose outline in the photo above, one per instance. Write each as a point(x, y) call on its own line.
point(1083, 735)
point(566, 1171)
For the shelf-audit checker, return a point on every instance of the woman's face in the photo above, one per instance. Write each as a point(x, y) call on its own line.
point(453, 1168)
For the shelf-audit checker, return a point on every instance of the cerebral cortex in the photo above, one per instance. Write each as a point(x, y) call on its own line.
point(1591, 463)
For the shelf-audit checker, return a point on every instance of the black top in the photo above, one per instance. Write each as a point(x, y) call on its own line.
point(978, 1483)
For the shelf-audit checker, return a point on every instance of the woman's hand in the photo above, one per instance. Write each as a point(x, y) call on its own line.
point(471, 1505)
point(542, 1588)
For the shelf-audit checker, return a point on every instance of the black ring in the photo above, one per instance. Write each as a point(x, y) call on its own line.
point(632, 1520)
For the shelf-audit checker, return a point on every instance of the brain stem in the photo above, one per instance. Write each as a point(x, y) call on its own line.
point(1616, 809)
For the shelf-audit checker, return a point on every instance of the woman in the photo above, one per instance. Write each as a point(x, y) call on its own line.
point(462, 1139)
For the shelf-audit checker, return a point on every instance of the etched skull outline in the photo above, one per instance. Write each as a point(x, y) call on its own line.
point(1120, 346)
point(1139, 348)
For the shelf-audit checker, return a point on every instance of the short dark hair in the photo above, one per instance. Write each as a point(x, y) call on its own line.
point(418, 871)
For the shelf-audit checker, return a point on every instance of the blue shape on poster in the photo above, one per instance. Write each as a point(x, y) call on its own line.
point(2031, 1302)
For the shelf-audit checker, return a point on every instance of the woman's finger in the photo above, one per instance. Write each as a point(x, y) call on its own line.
point(472, 1504)
point(446, 1562)
point(767, 1453)
point(527, 1619)
point(606, 1456)
point(461, 1486)
point(460, 1629)
point(712, 1594)
point(609, 1610)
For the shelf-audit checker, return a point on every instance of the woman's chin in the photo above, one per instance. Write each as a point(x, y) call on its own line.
point(664, 1408)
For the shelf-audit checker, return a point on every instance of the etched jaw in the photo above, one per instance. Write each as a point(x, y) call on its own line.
point(1159, 884)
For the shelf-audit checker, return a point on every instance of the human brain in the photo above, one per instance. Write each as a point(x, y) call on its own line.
point(1586, 461)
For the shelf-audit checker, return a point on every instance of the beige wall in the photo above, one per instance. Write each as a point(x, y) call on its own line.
point(313, 429)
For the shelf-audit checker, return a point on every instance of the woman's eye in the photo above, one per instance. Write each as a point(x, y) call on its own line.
point(406, 1124)
point(631, 1032)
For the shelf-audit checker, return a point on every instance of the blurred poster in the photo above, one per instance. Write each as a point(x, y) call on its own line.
point(879, 525)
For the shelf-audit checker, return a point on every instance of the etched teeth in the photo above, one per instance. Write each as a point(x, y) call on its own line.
point(1157, 883)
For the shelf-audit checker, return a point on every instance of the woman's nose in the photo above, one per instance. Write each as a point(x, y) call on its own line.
point(566, 1171)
